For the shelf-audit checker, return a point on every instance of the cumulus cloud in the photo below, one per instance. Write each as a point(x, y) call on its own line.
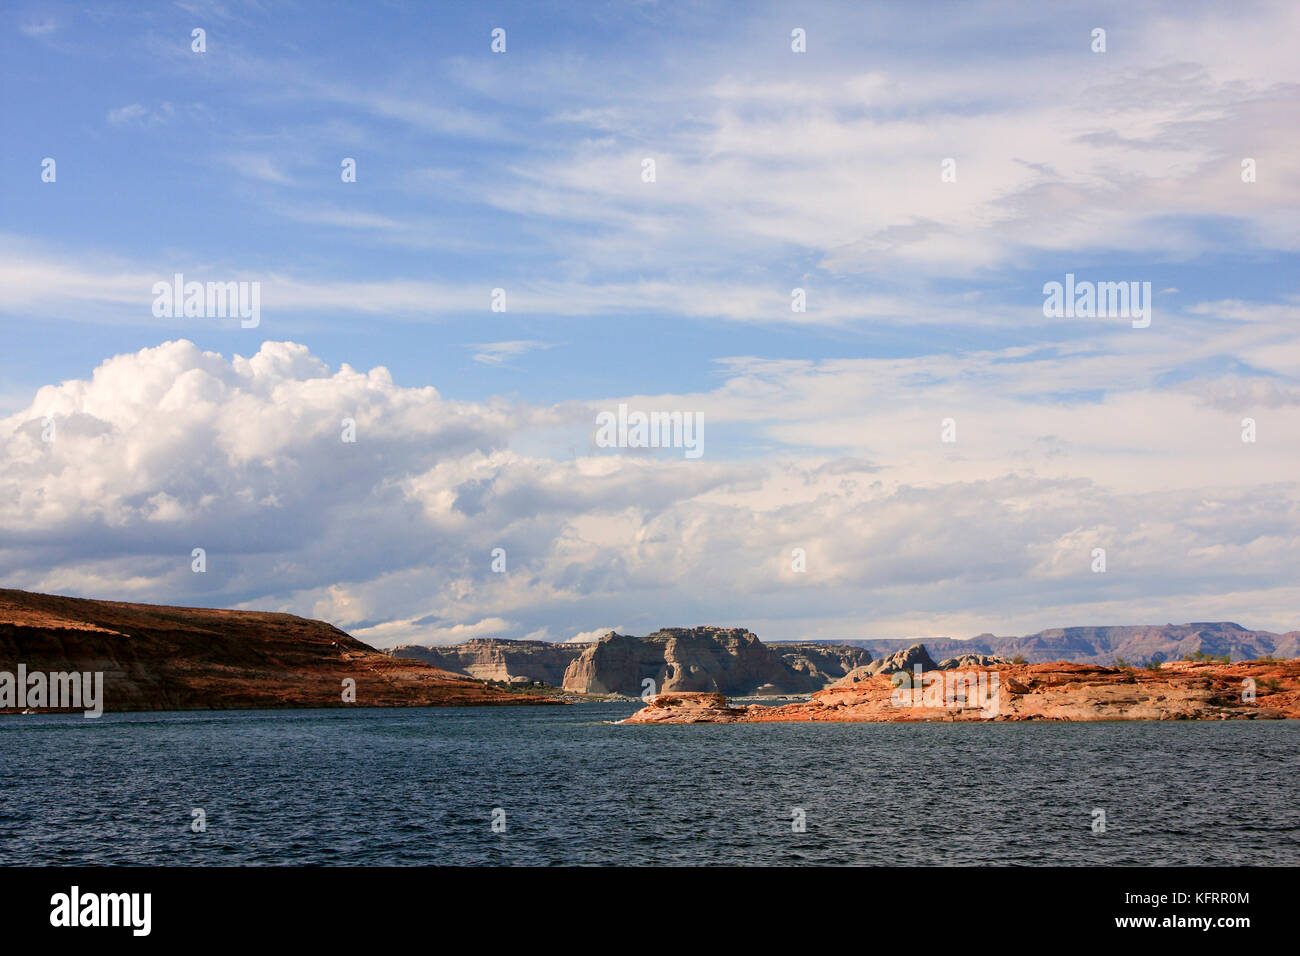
point(174, 448)
point(392, 536)
point(595, 634)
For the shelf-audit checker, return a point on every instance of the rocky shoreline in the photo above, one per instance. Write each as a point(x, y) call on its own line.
point(1182, 690)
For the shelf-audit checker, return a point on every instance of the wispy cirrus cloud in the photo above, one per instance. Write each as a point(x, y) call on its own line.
point(259, 167)
point(38, 27)
point(498, 353)
point(138, 114)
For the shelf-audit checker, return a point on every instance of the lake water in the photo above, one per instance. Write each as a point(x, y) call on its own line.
point(419, 786)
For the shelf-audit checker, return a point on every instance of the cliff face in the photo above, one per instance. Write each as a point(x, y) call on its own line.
point(178, 658)
point(499, 660)
point(822, 664)
point(731, 659)
point(1047, 691)
point(722, 660)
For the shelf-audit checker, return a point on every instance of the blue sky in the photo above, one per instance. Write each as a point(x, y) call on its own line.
point(775, 170)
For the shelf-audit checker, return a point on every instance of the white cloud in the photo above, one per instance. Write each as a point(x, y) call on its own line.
point(260, 167)
point(774, 171)
point(595, 634)
point(174, 448)
point(392, 633)
point(138, 114)
point(48, 279)
point(39, 28)
point(769, 159)
point(496, 353)
point(765, 158)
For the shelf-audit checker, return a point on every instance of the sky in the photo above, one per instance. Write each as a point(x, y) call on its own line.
point(921, 172)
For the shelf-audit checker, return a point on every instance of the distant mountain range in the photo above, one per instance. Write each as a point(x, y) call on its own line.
point(1102, 645)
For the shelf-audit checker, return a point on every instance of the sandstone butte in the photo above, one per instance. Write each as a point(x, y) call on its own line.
point(1050, 691)
point(180, 658)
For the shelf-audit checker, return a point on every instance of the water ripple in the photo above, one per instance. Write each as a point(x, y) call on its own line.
point(403, 787)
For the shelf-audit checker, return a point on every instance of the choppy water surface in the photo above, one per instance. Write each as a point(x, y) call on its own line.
point(418, 786)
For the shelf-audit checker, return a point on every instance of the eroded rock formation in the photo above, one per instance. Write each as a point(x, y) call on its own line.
point(725, 660)
point(1047, 691)
point(730, 658)
point(733, 661)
